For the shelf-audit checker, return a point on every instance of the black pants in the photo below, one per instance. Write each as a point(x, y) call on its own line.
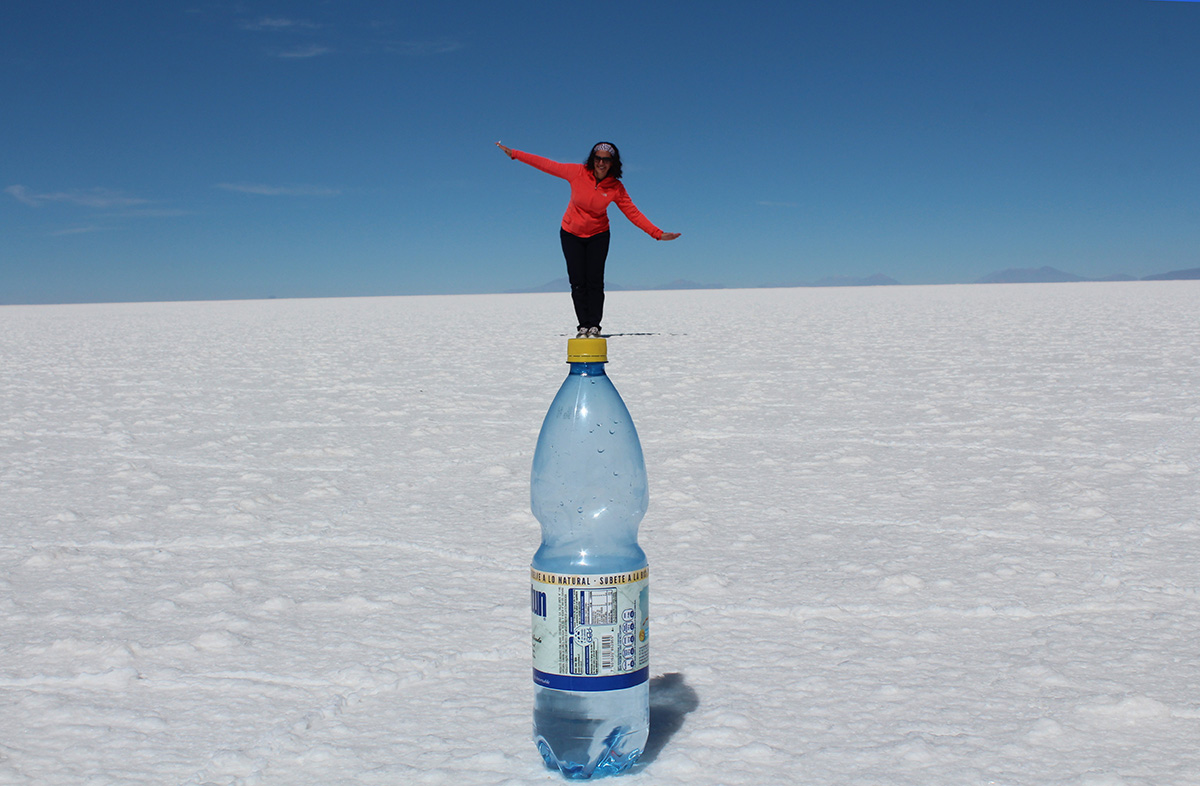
point(585, 268)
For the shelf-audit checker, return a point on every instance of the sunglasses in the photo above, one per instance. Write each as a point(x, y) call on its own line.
point(606, 159)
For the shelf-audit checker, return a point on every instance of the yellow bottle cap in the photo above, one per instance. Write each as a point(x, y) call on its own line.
point(587, 350)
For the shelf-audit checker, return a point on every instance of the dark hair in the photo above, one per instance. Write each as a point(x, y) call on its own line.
point(614, 169)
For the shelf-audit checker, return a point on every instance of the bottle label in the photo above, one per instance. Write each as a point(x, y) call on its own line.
point(591, 632)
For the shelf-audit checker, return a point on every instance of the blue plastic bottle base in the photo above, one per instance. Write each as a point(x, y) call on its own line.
point(568, 734)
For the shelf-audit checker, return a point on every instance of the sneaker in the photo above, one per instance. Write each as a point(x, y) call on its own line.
point(593, 332)
point(583, 333)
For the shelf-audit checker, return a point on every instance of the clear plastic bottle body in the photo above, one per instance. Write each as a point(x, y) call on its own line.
point(589, 491)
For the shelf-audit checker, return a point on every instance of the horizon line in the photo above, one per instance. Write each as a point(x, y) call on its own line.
point(665, 288)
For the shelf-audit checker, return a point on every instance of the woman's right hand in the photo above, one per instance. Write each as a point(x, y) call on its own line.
point(507, 150)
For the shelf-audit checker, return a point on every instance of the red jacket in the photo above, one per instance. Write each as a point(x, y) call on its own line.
point(587, 213)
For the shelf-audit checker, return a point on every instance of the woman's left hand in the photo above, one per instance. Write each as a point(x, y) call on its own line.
point(668, 236)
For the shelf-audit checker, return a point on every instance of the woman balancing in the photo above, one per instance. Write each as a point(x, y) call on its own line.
point(594, 185)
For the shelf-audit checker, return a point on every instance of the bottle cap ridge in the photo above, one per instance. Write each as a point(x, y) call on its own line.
point(587, 350)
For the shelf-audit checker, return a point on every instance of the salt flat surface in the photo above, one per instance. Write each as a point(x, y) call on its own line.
point(907, 535)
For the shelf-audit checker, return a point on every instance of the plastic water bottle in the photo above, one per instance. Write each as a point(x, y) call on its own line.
point(590, 591)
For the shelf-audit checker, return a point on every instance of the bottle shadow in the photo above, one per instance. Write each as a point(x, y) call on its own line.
point(671, 700)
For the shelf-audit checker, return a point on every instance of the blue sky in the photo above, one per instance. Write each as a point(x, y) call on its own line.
point(199, 150)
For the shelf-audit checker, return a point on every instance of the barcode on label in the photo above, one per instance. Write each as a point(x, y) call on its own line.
point(606, 653)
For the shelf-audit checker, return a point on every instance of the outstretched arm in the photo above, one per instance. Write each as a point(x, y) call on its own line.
point(564, 171)
point(640, 221)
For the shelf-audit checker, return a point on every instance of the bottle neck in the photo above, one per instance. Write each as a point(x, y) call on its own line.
point(587, 369)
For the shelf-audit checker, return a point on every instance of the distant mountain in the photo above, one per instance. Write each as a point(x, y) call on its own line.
point(1044, 275)
point(683, 283)
point(564, 285)
point(1176, 275)
point(877, 280)
point(1041, 275)
point(559, 285)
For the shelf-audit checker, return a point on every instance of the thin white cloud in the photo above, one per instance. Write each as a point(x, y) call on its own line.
point(87, 230)
point(280, 28)
point(21, 194)
point(265, 190)
point(103, 198)
point(440, 46)
point(287, 27)
point(153, 212)
point(304, 52)
point(279, 24)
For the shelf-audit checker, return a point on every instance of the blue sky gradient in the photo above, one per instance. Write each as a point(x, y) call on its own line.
point(177, 151)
